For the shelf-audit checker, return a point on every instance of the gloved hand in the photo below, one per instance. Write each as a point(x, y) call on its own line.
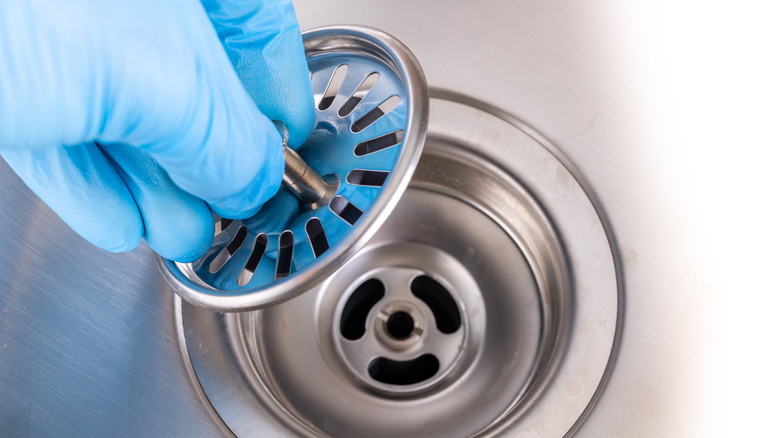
point(123, 116)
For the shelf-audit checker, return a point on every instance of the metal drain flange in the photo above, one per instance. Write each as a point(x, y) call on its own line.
point(371, 103)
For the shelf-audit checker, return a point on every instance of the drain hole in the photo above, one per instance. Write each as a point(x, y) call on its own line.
point(319, 242)
point(355, 313)
point(222, 225)
point(285, 255)
point(400, 325)
point(375, 114)
point(362, 177)
point(261, 241)
point(443, 306)
point(345, 209)
point(358, 95)
point(379, 143)
point(333, 87)
point(228, 251)
point(393, 372)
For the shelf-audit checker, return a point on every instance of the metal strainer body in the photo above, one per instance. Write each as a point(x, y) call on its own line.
point(371, 102)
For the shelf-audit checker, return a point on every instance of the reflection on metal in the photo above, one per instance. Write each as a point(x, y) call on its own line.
point(258, 250)
point(375, 114)
point(333, 88)
point(358, 95)
point(304, 181)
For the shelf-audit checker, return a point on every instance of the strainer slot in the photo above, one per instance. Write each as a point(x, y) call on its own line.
point(361, 177)
point(228, 251)
point(258, 250)
point(359, 94)
point(284, 262)
point(221, 225)
point(345, 209)
point(317, 238)
point(375, 114)
point(379, 143)
point(333, 87)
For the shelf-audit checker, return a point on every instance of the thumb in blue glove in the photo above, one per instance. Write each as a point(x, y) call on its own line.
point(80, 82)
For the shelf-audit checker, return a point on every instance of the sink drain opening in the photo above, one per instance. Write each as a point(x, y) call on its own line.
point(353, 319)
point(460, 316)
point(387, 317)
point(400, 325)
point(436, 296)
point(407, 372)
point(400, 331)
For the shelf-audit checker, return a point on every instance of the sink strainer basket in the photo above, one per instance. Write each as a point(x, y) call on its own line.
point(371, 101)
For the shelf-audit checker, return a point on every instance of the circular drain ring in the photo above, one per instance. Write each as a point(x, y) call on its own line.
point(570, 383)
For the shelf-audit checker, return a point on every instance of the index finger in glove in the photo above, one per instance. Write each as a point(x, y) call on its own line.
point(263, 41)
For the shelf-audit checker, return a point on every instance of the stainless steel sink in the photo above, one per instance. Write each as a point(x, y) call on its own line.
point(95, 344)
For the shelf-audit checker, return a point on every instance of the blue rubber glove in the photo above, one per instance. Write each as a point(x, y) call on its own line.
point(124, 116)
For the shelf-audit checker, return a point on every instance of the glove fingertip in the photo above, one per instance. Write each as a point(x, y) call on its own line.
point(244, 206)
point(115, 236)
point(264, 185)
point(126, 243)
point(191, 239)
point(300, 128)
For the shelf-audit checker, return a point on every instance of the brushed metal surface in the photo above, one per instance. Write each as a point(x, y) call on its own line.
point(667, 108)
point(87, 340)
